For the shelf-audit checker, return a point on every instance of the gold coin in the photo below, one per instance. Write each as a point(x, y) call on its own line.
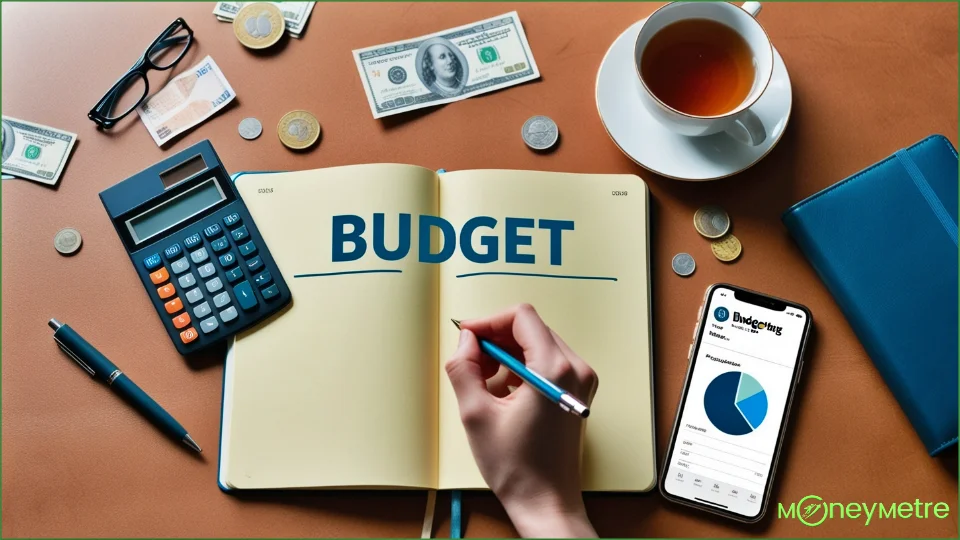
point(711, 221)
point(727, 248)
point(258, 25)
point(298, 130)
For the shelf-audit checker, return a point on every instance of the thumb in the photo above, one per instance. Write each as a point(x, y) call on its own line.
point(467, 379)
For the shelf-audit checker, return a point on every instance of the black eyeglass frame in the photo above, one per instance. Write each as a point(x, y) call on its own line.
point(101, 111)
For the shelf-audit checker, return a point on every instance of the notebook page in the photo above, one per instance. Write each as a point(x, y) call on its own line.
point(341, 389)
point(605, 321)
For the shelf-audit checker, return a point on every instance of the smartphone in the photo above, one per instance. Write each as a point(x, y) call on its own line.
point(745, 362)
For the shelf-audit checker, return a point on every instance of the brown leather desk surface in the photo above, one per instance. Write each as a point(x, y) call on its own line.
point(867, 80)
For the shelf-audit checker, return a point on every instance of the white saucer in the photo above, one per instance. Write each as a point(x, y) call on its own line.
point(656, 148)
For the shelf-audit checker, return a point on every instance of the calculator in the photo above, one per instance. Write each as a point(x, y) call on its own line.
point(201, 259)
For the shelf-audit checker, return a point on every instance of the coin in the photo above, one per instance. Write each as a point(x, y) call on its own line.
point(250, 128)
point(258, 25)
point(539, 132)
point(683, 264)
point(711, 221)
point(727, 248)
point(298, 130)
point(67, 241)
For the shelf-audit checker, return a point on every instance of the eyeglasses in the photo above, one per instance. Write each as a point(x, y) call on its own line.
point(131, 89)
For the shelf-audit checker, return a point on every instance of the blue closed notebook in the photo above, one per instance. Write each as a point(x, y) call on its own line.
point(884, 241)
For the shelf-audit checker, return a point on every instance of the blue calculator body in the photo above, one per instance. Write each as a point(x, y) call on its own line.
point(196, 249)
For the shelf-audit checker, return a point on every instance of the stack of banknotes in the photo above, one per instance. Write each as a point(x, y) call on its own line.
point(295, 14)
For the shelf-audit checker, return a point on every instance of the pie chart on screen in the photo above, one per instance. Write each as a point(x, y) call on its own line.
point(735, 402)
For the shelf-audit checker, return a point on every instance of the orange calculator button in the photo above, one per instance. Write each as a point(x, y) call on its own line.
point(166, 291)
point(159, 276)
point(181, 320)
point(188, 335)
point(173, 306)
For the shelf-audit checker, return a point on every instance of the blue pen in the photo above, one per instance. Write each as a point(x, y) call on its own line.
point(554, 393)
point(97, 365)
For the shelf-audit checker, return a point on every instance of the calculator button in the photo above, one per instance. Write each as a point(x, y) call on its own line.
point(240, 234)
point(206, 270)
point(202, 310)
point(159, 276)
point(219, 245)
point(180, 266)
point(194, 296)
point(234, 275)
point(173, 306)
point(270, 292)
point(221, 299)
point(232, 219)
point(254, 264)
point(152, 262)
point(228, 259)
point(166, 291)
point(192, 241)
point(199, 256)
point(187, 280)
point(214, 285)
point(263, 279)
point(213, 231)
point(181, 320)
point(248, 249)
point(188, 335)
point(228, 314)
point(171, 252)
point(245, 297)
point(209, 325)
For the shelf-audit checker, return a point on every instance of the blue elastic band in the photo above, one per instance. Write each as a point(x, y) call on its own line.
point(935, 204)
point(455, 517)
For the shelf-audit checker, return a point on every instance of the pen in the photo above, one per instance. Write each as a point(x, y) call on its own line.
point(97, 365)
point(554, 393)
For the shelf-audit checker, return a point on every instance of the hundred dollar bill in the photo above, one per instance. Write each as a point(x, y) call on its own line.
point(35, 152)
point(295, 14)
point(187, 100)
point(446, 66)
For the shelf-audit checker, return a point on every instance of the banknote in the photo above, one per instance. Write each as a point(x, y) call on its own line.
point(295, 14)
point(35, 152)
point(187, 100)
point(446, 66)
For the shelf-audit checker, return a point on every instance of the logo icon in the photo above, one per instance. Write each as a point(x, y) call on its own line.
point(31, 151)
point(397, 75)
point(488, 55)
point(721, 314)
point(808, 508)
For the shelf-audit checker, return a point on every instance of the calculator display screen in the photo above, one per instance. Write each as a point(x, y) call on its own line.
point(175, 210)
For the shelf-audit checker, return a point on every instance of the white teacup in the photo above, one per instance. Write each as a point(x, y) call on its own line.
point(741, 123)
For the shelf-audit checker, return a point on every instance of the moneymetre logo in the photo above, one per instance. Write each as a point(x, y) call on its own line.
point(813, 511)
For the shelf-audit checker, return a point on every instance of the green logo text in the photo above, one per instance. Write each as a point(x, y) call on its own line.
point(812, 510)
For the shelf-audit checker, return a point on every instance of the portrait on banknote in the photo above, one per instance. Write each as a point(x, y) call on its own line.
point(441, 66)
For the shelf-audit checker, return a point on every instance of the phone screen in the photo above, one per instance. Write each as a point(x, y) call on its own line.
point(736, 398)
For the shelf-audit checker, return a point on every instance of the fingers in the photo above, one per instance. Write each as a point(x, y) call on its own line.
point(466, 375)
point(585, 374)
point(520, 324)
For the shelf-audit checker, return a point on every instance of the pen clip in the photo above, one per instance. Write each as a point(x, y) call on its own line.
point(76, 358)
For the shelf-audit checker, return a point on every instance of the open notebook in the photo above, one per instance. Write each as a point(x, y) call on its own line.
point(347, 389)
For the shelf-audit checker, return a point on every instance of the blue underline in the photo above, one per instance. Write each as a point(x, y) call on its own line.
point(524, 274)
point(349, 272)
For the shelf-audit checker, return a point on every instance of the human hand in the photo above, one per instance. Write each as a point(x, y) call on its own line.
point(527, 448)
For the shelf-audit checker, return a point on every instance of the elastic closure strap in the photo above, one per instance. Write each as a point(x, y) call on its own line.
point(427, 530)
point(924, 187)
point(455, 514)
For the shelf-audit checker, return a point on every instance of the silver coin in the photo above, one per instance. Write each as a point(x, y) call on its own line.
point(683, 264)
point(250, 128)
point(539, 132)
point(67, 241)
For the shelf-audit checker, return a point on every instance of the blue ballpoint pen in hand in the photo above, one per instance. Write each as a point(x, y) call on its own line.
point(99, 367)
point(554, 393)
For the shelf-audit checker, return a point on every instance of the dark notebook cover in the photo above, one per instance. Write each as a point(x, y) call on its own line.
point(884, 241)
